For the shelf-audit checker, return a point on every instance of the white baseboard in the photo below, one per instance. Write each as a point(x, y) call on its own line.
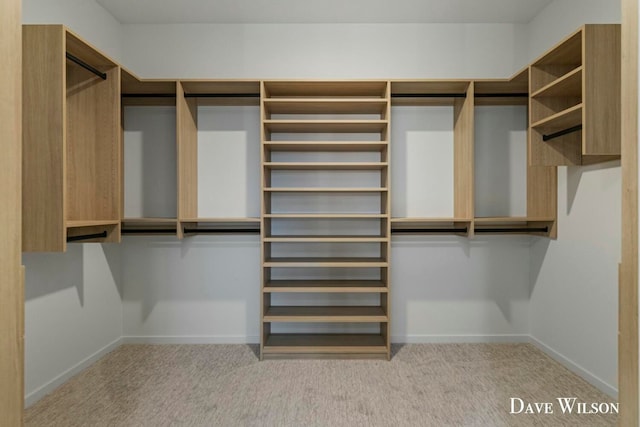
point(575, 368)
point(191, 339)
point(47, 388)
point(451, 339)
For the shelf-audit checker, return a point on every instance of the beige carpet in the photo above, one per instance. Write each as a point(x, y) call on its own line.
point(226, 385)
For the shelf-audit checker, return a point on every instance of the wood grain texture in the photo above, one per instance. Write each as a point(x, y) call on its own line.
point(326, 88)
point(601, 87)
point(44, 138)
point(628, 281)
point(187, 140)
point(12, 283)
point(463, 155)
point(93, 144)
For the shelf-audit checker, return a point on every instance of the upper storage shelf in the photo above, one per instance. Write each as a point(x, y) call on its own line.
point(71, 141)
point(574, 110)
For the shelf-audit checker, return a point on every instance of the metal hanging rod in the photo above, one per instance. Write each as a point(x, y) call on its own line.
point(222, 95)
point(86, 66)
point(87, 237)
point(502, 95)
point(561, 133)
point(148, 95)
point(513, 230)
point(430, 230)
point(428, 95)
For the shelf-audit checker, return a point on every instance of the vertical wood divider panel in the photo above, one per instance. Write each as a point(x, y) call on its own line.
point(11, 285)
point(463, 157)
point(44, 135)
point(187, 140)
point(601, 89)
point(628, 291)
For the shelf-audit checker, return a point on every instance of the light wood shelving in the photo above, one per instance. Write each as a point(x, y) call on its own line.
point(574, 108)
point(71, 141)
point(541, 181)
point(305, 101)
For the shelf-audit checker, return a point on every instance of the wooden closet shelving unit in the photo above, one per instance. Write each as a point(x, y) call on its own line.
point(190, 95)
point(306, 100)
point(146, 93)
point(574, 110)
point(459, 95)
point(541, 201)
point(71, 143)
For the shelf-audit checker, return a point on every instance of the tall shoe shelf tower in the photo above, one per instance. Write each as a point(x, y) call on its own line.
point(337, 120)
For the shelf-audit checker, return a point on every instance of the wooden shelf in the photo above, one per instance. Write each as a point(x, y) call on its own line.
point(325, 343)
point(325, 106)
point(325, 262)
point(93, 223)
point(428, 92)
point(325, 126)
point(326, 216)
point(325, 89)
point(218, 220)
point(325, 166)
point(324, 190)
point(325, 239)
point(541, 226)
point(460, 226)
point(329, 314)
point(319, 146)
point(564, 119)
point(569, 85)
point(427, 220)
point(511, 220)
point(326, 286)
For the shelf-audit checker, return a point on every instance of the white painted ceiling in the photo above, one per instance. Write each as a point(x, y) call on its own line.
point(323, 11)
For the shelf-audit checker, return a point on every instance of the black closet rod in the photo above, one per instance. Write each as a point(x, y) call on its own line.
point(428, 95)
point(222, 95)
point(561, 133)
point(513, 230)
point(430, 230)
point(86, 66)
point(87, 237)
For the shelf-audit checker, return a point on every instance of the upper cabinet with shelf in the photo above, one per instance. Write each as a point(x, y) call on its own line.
point(71, 141)
point(574, 110)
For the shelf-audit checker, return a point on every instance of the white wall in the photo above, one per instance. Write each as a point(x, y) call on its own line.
point(73, 304)
point(73, 312)
point(84, 17)
point(574, 279)
point(323, 50)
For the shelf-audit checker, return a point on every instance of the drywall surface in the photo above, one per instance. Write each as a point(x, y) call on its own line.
point(73, 312)
point(574, 279)
point(323, 50)
point(84, 17)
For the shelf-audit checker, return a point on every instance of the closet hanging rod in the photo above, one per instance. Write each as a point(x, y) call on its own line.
point(87, 237)
point(502, 95)
point(513, 230)
point(428, 95)
point(561, 133)
point(86, 66)
point(222, 95)
point(429, 230)
point(148, 95)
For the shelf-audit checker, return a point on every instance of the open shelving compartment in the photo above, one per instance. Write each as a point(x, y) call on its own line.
point(575, 99)
point(456, 95)
point(325, 219)
point(535, 199)
point(149, 156)
point(191, 96)
point(71, 143)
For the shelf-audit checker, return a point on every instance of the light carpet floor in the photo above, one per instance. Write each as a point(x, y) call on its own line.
point(226, 385)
